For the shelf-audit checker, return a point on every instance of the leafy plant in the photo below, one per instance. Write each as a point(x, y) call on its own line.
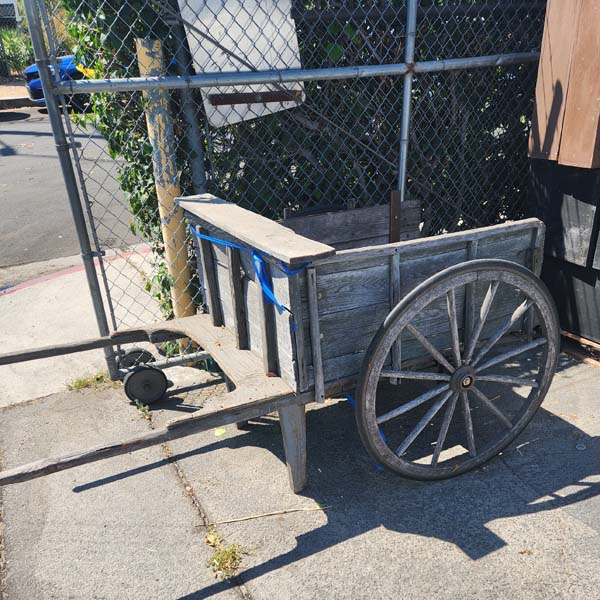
point(18, 52)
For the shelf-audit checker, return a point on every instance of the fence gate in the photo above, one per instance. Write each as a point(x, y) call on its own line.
point(280, 106)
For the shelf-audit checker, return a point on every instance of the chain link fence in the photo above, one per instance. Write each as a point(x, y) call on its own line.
point(328, 134)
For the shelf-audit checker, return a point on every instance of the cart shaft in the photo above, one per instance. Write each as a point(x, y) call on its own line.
point(231, 410)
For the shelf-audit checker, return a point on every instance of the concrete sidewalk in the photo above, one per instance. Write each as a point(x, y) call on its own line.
point(527, 525)
point(54, 308)
point(13, 94)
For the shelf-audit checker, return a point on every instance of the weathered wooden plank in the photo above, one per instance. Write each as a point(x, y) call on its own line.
point(469, 310)
point(242, 404)
point(405, 218)
point(211, 287)
point(345, 290)
point(347, 331)
point(358, 227)
point(292, 420)
point(297, 309)
point(343, 225)
point(395, 297)
point(251, 293)
point(254, 230)
point(268, 334)
point(342, 287)
point(236, 290)
point(395, 210)
point(422, 246)
point(362, 242)
point(315, 335)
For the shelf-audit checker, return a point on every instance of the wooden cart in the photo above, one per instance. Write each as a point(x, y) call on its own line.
point(448, 344)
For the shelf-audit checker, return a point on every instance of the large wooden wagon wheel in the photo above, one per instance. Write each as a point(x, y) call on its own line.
point(458, 369)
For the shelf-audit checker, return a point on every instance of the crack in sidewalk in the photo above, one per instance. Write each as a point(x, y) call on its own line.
point(236, 581)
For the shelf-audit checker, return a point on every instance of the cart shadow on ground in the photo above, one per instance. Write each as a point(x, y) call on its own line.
point(553, 464)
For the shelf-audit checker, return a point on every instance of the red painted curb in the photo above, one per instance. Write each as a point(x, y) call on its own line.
point(69, 271)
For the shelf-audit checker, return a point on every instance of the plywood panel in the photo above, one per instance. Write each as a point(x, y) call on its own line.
point(580, 144)
point(560, 31)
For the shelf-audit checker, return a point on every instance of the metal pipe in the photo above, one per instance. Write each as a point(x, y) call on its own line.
point(62, 149)
point(189, 110)
point(378, 14)
point(409, 57)
point(182, 359)
point(234, 78)
point(49, 27)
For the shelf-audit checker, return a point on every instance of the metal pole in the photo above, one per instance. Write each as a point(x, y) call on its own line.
point(409, 57)
point(62, 149)
point(51, 35)
point(233, 78)
point(193, 136)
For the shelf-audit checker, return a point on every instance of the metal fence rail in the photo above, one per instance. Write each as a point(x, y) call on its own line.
point(431, 98)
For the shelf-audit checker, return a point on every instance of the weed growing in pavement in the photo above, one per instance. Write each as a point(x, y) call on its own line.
point(91, 381)
point(227, 558)
point(144, 410)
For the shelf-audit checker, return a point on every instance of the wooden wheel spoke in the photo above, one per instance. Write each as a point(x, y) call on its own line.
point(483, 314)
point(422, 375)
point(439, 357)
point(492, 407)
point(451, 302)
point(392, 414)
point(508, 380)
point(468, 424)
point(439, 446)
point(500, 358)
point(510, 322)
point(414, 434)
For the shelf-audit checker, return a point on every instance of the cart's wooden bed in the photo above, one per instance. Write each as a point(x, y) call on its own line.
point(361, 311)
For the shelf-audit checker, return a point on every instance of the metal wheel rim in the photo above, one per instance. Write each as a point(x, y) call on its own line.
point(135, 357)
point(417, 301)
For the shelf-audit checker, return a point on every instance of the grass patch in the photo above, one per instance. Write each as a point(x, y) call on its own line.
point(94, 381)
point(227, 558)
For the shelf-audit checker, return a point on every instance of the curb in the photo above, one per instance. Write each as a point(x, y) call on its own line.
point(8, 103)
point(7, 289)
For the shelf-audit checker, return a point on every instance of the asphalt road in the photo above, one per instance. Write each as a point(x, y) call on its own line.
point(35, 218)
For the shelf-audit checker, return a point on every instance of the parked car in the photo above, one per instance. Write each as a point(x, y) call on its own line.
point(67, 69)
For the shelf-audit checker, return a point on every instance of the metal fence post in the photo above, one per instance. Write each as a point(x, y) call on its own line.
point(62, 149)
point(409, 59)
point(189, 110)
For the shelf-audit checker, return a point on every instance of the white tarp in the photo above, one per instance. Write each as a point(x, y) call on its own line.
point(260, 32)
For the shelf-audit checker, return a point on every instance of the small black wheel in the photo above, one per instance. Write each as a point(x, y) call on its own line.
point(145, 384)
point(490, 330)
point(134, 357)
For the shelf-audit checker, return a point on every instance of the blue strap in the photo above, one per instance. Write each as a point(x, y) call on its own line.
point(259, 268)
point(290, 272)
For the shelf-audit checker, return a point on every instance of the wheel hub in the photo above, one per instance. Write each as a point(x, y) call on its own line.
point(463, 379)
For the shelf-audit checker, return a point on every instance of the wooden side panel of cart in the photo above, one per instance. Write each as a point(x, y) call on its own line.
point(357, 289)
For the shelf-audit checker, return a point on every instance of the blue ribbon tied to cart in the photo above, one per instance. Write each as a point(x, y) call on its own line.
point(259, 268)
